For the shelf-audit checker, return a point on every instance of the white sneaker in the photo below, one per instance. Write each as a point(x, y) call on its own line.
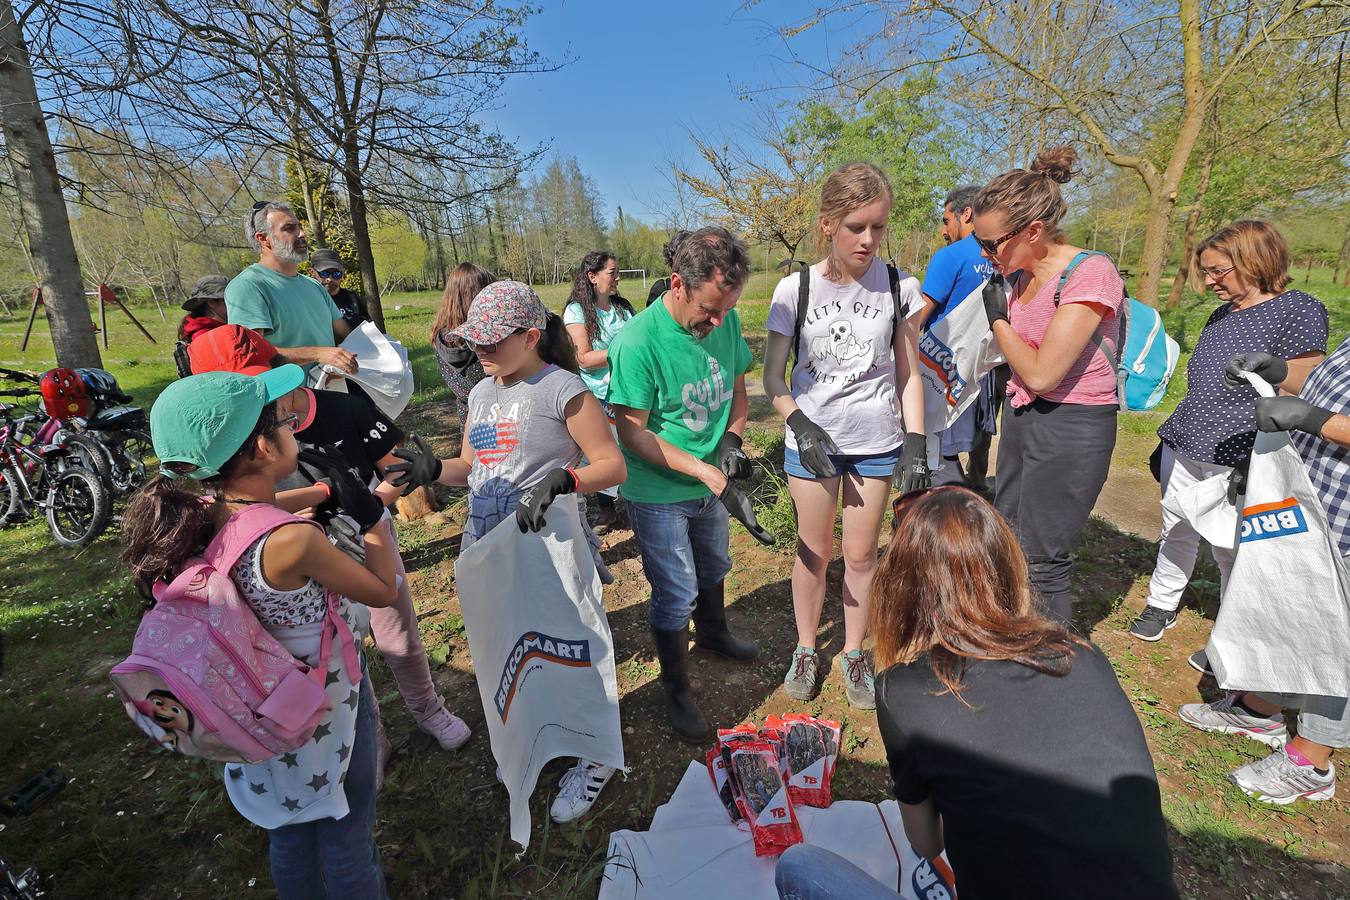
point(448, 729)
point(1278, 779)
point(577, 790)
point(1226, 717)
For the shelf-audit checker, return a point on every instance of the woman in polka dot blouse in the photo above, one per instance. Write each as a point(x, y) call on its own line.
point(1212, 430)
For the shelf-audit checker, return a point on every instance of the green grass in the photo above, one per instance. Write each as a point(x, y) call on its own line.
point(158, 826)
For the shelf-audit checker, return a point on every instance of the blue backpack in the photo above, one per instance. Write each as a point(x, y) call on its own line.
point(1150, 355)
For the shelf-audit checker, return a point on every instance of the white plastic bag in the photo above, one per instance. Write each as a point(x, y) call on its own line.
point(954, 354)
point(1205, 505)
point(382, 368)
point(542, 651)
point(1284, 622)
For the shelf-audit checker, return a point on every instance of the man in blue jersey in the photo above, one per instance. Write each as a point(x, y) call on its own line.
point(953, 274)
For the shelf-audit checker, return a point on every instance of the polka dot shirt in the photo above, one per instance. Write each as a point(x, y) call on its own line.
point(1215, 423)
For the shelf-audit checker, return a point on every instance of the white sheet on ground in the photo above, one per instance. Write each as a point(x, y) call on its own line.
point(694, 850)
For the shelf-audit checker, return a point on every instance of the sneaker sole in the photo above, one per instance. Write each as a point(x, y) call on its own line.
point(1325, 793)
point(865, 705)
point(799, 694)
point(1274, 741)
point(1158, 636)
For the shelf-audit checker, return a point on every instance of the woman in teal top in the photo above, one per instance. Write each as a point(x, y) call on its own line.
point(594, 316)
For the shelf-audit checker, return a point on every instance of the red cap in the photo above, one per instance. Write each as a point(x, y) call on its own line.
point(230, 348)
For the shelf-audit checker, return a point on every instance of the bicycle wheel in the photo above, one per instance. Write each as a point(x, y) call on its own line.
point(132, 455)
point(78, 506)
point(11, 498)
point(87, 450)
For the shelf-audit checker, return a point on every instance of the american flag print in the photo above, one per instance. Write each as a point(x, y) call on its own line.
point(493, 441)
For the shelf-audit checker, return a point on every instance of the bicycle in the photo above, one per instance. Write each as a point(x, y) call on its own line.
point(46, 472)
point(114, 437)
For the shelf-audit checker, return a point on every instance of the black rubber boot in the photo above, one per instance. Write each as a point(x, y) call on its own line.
point(672, 651)
point(710, 624)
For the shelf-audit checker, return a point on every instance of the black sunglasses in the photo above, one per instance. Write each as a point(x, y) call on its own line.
point(991, 247)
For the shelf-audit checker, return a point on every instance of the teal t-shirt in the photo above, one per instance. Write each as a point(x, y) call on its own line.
point(288, 310)
point(610, 321)
point(686, 386)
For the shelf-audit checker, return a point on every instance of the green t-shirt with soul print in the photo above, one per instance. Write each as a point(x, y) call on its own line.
point(686, 386)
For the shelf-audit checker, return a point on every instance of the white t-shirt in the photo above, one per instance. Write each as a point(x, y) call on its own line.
point(844, 380)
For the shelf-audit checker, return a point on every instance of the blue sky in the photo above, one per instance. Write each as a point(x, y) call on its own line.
point(643, 74)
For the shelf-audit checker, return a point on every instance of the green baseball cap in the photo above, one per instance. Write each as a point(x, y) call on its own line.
point(205, 419)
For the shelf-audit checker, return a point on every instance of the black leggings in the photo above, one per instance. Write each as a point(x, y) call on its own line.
point(1052, 462)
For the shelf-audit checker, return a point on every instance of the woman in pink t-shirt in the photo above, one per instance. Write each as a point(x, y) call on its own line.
point(1059, 421)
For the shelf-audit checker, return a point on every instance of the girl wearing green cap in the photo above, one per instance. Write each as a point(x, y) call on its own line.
point(223, 430)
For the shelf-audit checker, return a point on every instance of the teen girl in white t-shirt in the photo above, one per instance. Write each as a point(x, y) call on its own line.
point(854, 412)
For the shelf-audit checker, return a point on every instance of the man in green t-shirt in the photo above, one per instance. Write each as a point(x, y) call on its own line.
point(677, 386)
point(291, 310)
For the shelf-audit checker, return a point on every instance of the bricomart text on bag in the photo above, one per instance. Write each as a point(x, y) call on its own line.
point(938, 357)
point(1272, 520)
point(535, 645)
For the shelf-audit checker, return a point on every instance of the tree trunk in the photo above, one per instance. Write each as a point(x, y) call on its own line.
point(351, 172)
point(1192, 225)
point(41, 204)
point(1163, 197)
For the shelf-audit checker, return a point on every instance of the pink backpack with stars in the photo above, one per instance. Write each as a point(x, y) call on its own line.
point(205, 678)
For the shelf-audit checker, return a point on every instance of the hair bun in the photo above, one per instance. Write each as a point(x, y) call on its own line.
point(1056, 162)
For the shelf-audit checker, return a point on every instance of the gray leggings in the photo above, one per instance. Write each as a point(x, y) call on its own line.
point(1052, 462)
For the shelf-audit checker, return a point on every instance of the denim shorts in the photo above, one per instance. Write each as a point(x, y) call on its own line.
point(684, 551)
point(876, 465)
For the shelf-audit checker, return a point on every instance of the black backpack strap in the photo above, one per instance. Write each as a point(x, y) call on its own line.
point(896, 315)
point(803, 298)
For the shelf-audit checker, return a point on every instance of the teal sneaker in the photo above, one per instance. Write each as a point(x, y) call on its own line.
point(800, 682)
point(857, 669)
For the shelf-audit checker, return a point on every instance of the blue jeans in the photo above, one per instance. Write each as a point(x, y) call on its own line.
point(810, 873)
point(684, 551)
point(336, 857)
point(873, 465)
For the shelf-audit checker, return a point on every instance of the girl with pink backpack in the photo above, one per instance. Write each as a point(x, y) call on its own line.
point(259, 626)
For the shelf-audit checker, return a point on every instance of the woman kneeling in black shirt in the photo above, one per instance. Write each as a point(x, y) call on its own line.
point(1010, 742)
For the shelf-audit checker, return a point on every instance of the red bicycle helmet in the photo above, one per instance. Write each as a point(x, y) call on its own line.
point(64, 395)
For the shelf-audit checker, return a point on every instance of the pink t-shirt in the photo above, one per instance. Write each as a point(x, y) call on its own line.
point(1090, 380)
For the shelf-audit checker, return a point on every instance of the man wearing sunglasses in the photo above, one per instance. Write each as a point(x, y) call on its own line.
point(294, 313)
point(327, 268)
point(954, 272)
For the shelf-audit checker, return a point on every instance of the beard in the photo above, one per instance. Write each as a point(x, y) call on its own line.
point(295, 252)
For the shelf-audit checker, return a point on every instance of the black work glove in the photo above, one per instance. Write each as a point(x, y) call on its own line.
point(995, 296)
point(1273, 369)
point(536, 501)
point(347, 493)
point(911, 472)
point(742, 510)
point(730, 459)
point(1290, 414)
point(421, 466)
point(1237, 480)
point(814, 446)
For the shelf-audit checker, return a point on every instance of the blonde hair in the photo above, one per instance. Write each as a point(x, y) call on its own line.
point(1031, 195)
point(848, 188)
point(1256, 249)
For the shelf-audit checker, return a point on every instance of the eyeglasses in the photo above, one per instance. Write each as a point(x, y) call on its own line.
point(253, 215)
point(1216, 274)
point(289, 422)
point(991, 247)
point(330, 273)
point(494, 347)
point(900, 506)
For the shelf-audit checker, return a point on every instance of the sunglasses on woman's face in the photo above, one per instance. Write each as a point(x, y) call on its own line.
point(991, 247)
point(331, 273)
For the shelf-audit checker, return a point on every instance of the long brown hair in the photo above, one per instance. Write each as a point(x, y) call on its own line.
point(462, 285)
point(848, 188)
point(953, 584)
